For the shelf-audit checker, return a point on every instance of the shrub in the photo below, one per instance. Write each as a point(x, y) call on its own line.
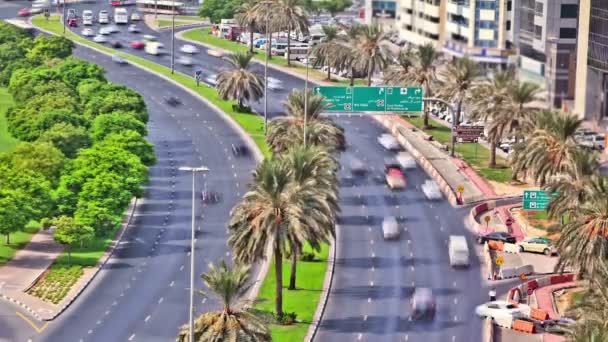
point(288, 318)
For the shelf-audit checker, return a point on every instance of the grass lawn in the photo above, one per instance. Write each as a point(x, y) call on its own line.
point(204, 35)
point(162, 23)
point(302, 301)
point(475, 155)
point(7, 142)
point(18, 241)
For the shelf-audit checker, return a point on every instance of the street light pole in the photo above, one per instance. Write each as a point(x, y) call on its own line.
point(173, 39)
point(308, 58)
point(194, 170)
point(266, 80)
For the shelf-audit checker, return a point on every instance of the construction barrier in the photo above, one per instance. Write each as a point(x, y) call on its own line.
point(562, 278)
point(506, 273)
point(524, 326)
point(525, 269)
point(538, 314)
point(511, 248)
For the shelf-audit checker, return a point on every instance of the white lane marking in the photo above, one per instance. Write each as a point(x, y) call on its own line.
point(107, 312)
point(114, 303)
point(188, 253)
point(369, 299)
point(409, 241)
point(161, 300)
point(371, 242)
point(373, 255)
point(454, 284)
point(90, 332)
point(365, 318)
point(204, 300)
point(181, 268)
point(371, 284)
point(98, 322)
point(453, 338)
point(147, 318)
point(171, 284)
point(412, 267)
point(409, 318)
point(369, 228)
point(411, 254)
point(455, 300)
point(407, 337)
point(455, 318)
point(132, 337)
point(373, 268)
point(412, 284)
point(360, 336)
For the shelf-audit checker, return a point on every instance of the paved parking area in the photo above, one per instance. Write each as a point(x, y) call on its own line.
point(507, 335)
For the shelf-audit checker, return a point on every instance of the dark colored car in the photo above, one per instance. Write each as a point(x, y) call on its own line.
point(423, 304)
point(72, 22)
point(116, 44)
point(240, 150)
point(497, 236)
point(172, 101)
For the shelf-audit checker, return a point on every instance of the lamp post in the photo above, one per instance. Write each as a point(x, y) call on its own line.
point(194, 170)
point(308, 59)
point(63, 17)
point(269, 42)
point(173, 38)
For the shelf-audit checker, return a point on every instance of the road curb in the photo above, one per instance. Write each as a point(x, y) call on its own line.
point(264, 265)
point(313, 328)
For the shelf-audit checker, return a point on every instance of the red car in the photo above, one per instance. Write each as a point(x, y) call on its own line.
point(24, 12)
point(72, 22)
point(395, 178)
point(136, 44)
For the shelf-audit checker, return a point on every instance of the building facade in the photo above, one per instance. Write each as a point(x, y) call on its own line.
point(591, 98)
point(381, 12)
point(421, 21)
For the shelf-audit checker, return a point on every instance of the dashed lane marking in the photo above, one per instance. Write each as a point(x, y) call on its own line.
point(360, 336)
point(131, 337)
point(147, 318)
point(365, 318)
point(181, 268)
point(171, 283)
point(369, 299)
point(161, 300)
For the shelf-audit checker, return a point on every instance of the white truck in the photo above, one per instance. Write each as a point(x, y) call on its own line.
point(458, 251)
point(87, 17)
point(121, 16)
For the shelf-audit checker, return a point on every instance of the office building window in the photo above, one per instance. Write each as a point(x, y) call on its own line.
point(569, 11)
point(566, 32)
point(508, 25)
point(538, 8)
point(509, 5)
point(538, 32)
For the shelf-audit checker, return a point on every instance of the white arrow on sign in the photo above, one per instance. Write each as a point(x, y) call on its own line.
point(417, 91)
point(381, 90)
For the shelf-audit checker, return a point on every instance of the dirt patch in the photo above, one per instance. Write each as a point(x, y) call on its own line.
point(535, 227)
point(510, 188)
point(565, 298)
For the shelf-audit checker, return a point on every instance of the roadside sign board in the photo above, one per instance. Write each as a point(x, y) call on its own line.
point(536, 200)
point(469, 133)
point(499, 261)
point(371, 99)
point(460, 189)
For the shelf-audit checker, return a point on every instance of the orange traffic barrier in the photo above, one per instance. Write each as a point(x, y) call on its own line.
point(496, 245)
point(538, 314)
point(524, 326)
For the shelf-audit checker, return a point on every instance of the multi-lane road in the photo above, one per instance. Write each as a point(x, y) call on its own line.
point(142, 294)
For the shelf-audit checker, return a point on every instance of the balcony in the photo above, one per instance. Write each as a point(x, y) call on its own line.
point(431, 10)
point(454, 8)
point(431, 27)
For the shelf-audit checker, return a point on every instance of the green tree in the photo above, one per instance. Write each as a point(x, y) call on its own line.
point(331, 51)
point(270, 212)
point(67, 138)
point(335, 6)
point(133, 142)
point(232, 322)
point(550, 150)
point(31, 187)
point(119, 100)
point(40, 157)
point(102, 220)
point(117, 122)
point(394, 73)
point(423, 73)
point(488, 102)
point(247, 17)
point(47, 47)
point(70, 233)
point(240, 83)
point(12, 218)
point(105, 191)
point(285, 131)
point(26, 83)
point(372, 49)
point(288, 15)
point(216, 10)
point(73, 70)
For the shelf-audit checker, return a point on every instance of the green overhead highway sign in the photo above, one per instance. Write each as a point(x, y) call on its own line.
point(536, 200)
point(371, 99)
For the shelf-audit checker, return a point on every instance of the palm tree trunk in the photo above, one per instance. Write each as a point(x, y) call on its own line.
point(240, 104)
point(352, 76)
point(288, 43)
point(328, 70)
point(278, 289)
point(294, 265)
point(251, 38)
point(426, 117)
point(456, 120)
point(370, 71)
point(492, 154)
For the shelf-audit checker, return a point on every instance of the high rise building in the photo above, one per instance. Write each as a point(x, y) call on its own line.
point(544, 33)
point(381, 12)
point(421, 21)
point(591, 98)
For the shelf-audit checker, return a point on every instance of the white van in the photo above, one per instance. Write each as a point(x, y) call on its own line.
point(458, 251)
point(121, 16)
point(153, 48)
point(390, 228)
point(103, 18)
point(87, 17)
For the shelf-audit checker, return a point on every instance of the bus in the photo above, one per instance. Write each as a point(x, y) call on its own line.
point(121, 16)
point(160, 6)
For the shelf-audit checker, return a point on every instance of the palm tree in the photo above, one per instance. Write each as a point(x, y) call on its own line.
point(272, 212)
point(550, 150)
point(314, 167)
point(284, 131)
point(487, 105)
point(393, 74)
point(372, 49)
point(457, 82)
point(422, 73)
point(247, 17)
point(583, 242)
point(287, 15)
point(239, 83)
point(330, 51)
point(576, 185)
point(347, 52)
point(231, 323)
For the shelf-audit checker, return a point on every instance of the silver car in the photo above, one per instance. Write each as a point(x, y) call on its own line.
point(423, 304)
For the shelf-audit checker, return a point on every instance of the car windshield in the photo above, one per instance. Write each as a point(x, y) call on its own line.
point(510, 306)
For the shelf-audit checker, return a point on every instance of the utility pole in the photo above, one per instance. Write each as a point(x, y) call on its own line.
point(173, 38)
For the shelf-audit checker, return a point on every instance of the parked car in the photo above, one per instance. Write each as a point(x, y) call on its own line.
point(395, 179)
point(87, 32)
point(189, 48)
point(537, 245)
point(431, 190)
point(389, 142)
point(423, 304)
point(500, 309)
point(136, 44)
point(497, 236)
point(390, 228)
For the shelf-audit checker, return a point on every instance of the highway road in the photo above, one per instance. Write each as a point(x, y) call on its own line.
point(373, 280)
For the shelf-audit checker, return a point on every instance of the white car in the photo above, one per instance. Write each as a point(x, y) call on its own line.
point(100, 39)
point(215, 53)
point(103, 17)
point(406, 160)
point(135, 16)
point(389, 142)
point(211, 79)
point(189, 48)
point(87, 32)
point(274, 84)
point(149, 37)
point(133, 28)
point(431, 190)
point(104, 31)
point(500, 309)
point(113, 29)
point(185, 60)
